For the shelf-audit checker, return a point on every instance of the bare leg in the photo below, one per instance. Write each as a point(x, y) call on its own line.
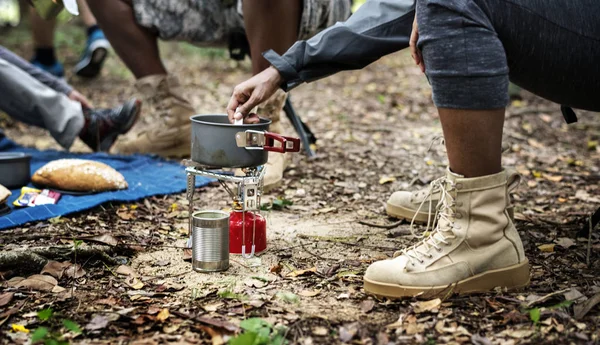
point(85, 14)
point(270, 24)
point(135, 45)
point(42, 30)
point(473, 140)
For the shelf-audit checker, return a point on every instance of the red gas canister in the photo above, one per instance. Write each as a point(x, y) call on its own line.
point(254, 222)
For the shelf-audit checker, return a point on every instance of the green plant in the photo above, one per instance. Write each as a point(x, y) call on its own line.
point(50, 335)
point(259, 332)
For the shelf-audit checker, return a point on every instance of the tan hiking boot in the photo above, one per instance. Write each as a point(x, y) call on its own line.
point(163, 129)
point(277, 162)
point(417, 206)
point(473, 247)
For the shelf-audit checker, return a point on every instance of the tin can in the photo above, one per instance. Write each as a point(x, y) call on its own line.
point(210, 241)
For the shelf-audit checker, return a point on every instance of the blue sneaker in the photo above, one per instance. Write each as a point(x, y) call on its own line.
point(93, 56)
point(56, 69)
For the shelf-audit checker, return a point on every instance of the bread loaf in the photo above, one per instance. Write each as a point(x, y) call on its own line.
point(79, 175)
point(4, 194)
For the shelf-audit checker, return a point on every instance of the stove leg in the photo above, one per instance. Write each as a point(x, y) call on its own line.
point(191, 185)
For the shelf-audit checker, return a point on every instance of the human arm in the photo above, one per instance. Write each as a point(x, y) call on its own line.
point(378, 28)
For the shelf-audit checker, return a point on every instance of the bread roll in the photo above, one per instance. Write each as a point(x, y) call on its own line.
point(4, 194)
point(79, 175)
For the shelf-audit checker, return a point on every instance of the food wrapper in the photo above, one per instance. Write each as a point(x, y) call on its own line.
point(34, 197)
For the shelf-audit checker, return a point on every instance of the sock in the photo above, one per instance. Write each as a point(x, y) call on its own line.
point(45, 56)
point(92, 29)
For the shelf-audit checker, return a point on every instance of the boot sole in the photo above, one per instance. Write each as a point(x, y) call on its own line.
point(509, 278)
point(400, 212)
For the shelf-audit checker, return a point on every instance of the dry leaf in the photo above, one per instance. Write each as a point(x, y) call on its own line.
point(547, 248)
point(320, 331)
point(302, 272)
point(425, 306)
point(309, 293)
point(103, 239)
point(163, 315)
point(98, 322)
point(580, 310)
point(276, 268)
point(134, 283)
point(39, 282)
point(55, 268)
point(585, 196)
point(367, 305)
point(386, 179)
point(5, 298)
point(519, 333)
point(565, 242)
point(74, 271)
point(58, 289)
point(12, 282)
point(126, 271)
point(212, 306)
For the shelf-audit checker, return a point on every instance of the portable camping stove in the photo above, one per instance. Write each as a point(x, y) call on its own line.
point(246, 199)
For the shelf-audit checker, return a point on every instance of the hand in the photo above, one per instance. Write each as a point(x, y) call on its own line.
point(251, 93)
point(76, 96)
point(414, 50)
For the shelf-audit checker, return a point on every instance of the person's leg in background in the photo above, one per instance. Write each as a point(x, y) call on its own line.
point(263, 34)
point(44, 55)
point(29, 101)
point(92, 57)
point(474, 245)
point(165, 126)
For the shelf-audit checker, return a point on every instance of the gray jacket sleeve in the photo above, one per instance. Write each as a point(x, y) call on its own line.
point(378, 28)
point(39, 74)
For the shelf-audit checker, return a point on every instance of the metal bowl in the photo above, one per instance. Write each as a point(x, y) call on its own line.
point(15, 171)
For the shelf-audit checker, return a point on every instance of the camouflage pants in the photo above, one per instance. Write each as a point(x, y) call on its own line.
point(211, 21)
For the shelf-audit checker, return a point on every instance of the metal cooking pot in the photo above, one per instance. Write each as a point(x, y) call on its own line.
point(218, 143)
point(14, 169)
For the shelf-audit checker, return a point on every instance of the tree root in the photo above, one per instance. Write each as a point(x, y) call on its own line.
point(33, 259)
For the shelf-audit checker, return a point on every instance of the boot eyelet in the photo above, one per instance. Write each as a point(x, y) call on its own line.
point(458, 215)
point(459, 186)
point(439, 249)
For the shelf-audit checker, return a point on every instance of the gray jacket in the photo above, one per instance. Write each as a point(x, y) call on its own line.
point(378, 28)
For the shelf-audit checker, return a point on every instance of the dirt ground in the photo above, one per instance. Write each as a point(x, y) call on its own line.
point(377, 133)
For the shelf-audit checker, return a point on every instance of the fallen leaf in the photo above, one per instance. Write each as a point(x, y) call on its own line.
point(565, 242)
point(58, 289)
point(107, 239)
point(252, 282)
point(367, 305)
point(134, 283)
point(276, 268)
point(519, 333)
point(19, 328)
point(98, 322)
point(74, 271)
point(5, 298)
point(477, 339)
point(585, 196)
point(39, 282)
point(126, 214)
point(12, 282)
point(126, 271)
point(425, 306)
point(302, 272)
point(580, 310)
point(386, 179)
point(347, 332)
point(213, 306)
point(163, 315)
point(553, 178)
point(547, 248)
point(55, 268)
point(320, 331)
point(288, 297)
point(574, 295)
point(170, 329)
point(309, 293)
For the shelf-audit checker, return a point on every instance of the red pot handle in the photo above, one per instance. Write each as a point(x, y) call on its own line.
point(288, 144)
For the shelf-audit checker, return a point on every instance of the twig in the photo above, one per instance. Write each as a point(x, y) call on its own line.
point(311, 253)
point(381, 226)
point(589, 244)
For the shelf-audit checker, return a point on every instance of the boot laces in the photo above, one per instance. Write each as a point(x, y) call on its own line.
point(442, 224)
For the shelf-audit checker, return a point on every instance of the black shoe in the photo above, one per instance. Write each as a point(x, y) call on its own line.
point(103, 126)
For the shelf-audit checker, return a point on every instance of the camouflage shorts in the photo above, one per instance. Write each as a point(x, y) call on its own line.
point(211, 21)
